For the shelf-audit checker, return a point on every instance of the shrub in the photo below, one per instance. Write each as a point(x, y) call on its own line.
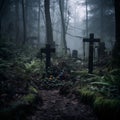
point(107, 108)
point(7, 49)
point(35, 67)
point(86, 96)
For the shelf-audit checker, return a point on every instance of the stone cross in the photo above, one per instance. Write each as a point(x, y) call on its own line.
point(91, 41)
point(48, 50)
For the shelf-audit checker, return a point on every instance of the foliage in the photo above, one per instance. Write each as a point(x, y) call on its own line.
point(104, 107)
point(86, 96)
point(50, 83)
point(7, 49)
point(16, 79)
point(108, 85)
point(16, 72)
point(35, 67)
point(80, 73)
point(33, 90)
point(107, 108)
point(102, 93)
point(66, 88)
point(113, 78)
point(115, 72)
point(28, 98)
point(20, 108)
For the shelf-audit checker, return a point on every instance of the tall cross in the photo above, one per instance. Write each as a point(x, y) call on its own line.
point(91, 41)
point(48, 50)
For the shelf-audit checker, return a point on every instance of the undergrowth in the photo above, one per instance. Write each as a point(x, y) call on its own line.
point(102, 93)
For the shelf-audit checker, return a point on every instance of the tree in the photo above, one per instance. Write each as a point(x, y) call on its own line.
point(39, 2)
point(17, 20)
point(49, 32)
point(102, 18)
point(24, 22)
point(116, 49)
point(1, 6)
point(84, 48)
point(63, 31)
point(86, 18)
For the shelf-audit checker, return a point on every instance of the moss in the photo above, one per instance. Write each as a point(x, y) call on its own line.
point(33, 90)
point(19, 109)
point(87, 96)
point(80, 73)
point(27, 99)
point(107, 108)
point(84, 73)
point(104, 108)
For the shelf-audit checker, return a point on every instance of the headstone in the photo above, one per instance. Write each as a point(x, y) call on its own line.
point(48, 50)
point(91, 41)
point(74, 53)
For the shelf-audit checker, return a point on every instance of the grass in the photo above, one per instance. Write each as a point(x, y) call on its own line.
point(105, 108)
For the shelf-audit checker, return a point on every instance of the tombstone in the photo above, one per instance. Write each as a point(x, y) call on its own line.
point(48, 50)
point(91, 41)
point(74, 53)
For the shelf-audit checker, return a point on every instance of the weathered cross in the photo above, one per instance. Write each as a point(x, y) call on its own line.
point(91, 41)
point(48, 50)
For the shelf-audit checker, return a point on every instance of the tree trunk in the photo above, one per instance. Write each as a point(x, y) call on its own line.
point(116, 49)
point(0, 26)
point(101, 20)
point(49, 32)
point(24, 22)
point(63, 31)
point(67, 16)
point(1, 7)
point(86, 18)
point(86, 45)
point(39, 2)
point(17, 20)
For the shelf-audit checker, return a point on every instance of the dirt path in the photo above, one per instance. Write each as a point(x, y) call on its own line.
point(57, 107)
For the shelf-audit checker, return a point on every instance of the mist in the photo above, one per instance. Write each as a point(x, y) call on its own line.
point(59, 59)
point(80, 18)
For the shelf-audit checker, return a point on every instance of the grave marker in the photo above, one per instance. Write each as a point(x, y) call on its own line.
point(74, 53)
point(91, 41)
point(48, 50)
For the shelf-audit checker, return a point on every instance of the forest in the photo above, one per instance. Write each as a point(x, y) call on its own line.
point(59, 59)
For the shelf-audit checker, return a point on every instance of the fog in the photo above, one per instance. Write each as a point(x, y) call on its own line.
point(59, 59)
point(24, 21)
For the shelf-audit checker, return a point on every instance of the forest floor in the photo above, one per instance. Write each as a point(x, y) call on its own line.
point(59, 107)
point(56, 92)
